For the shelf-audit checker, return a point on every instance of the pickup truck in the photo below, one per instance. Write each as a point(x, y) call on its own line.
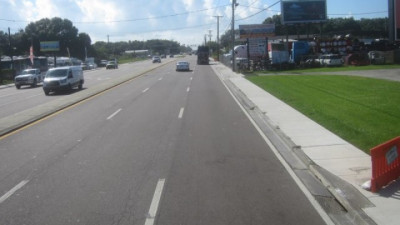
point(28, 77)
point(330, 60)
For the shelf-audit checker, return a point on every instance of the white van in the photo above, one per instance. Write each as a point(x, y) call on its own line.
point(63, 78)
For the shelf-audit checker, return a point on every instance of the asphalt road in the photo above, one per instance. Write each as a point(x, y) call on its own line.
point(166, 148)
point(13, 100)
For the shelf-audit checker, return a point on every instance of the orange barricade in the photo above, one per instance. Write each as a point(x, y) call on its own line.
point(385, 164)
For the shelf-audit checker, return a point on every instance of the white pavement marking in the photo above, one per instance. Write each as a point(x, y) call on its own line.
point(188, 89)
point(12, 191)
point(115, 113)
point(191, 78)
point(160, 78)
point(155, 202)
point(145, 90)
point(181, 113)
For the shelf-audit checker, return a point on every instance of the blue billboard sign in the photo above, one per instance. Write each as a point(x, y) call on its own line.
point(303, 11)
point(49, 46)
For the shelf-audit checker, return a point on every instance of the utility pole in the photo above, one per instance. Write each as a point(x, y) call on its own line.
point(108, 39)
point(209, 35)
point(11, 51)
point(233, 34)
point(218, 36)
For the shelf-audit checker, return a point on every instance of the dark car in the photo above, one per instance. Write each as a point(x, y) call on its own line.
point(156, 59)
point(103, 63)
point(112, 65)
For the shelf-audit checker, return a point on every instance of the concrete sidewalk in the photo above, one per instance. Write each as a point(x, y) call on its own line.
point(324, 148)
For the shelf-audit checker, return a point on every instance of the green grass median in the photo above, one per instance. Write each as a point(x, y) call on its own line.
point(363, 111)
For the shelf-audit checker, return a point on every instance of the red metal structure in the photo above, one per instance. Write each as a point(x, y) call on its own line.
point(385, 164)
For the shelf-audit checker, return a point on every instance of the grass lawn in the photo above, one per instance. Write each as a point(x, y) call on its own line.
point(130, 60)
point(332, 69)
point(363, 111)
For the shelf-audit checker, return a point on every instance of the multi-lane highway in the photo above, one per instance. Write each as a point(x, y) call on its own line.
point(165, 148)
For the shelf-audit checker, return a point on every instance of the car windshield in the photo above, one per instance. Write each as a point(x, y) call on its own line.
point(57, 73)
point(111, 62)
point(28, 72)
point(183, 63)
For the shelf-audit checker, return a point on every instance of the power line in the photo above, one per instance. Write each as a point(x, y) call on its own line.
point(259, 11)
point(128, 20)
point(154, 17)
point(169, 29)
point(247, 6)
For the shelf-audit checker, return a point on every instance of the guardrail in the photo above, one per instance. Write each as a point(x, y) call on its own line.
point(385, 164)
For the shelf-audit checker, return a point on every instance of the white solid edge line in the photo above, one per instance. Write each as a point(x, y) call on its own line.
point(13, 190)
point(115, 113)
point(145, 90)
point(300, 184)
point(155, 202)
point(181, 113)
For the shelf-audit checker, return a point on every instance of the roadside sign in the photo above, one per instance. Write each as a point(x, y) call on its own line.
point(391, 155)
point(257, 30)
point(303, 11)
point(49, 46)
point(257, 47)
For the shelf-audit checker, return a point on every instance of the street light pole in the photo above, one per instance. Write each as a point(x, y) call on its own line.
point(218, 36)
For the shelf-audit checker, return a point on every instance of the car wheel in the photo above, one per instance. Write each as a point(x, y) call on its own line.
point(18, 86)
point(46, 92)
point(80, 86)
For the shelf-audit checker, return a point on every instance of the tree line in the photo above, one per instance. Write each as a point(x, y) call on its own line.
point(74, 43)
point(78, 44)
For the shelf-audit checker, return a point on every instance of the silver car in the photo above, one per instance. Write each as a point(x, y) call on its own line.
point(182, 66)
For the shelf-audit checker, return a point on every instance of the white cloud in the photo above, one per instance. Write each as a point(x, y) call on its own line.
point(99, 11)
point(36, 10)
point(12, 2)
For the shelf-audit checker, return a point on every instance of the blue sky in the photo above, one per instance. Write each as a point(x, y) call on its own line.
point(184, 21)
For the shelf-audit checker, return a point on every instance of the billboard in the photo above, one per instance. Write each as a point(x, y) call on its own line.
point(257, 30)
point(49, 46)
point(303, 11)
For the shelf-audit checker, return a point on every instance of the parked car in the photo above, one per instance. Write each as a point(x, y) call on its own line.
point(182, 66)
point(112, 65)
point(331, 60)
point(156, 59)
point(103, 63)
point(63, 78)
point(28, 77)
point(163, 56)
point(84, 66)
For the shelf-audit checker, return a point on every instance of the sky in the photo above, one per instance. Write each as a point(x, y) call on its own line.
point(183, 21)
